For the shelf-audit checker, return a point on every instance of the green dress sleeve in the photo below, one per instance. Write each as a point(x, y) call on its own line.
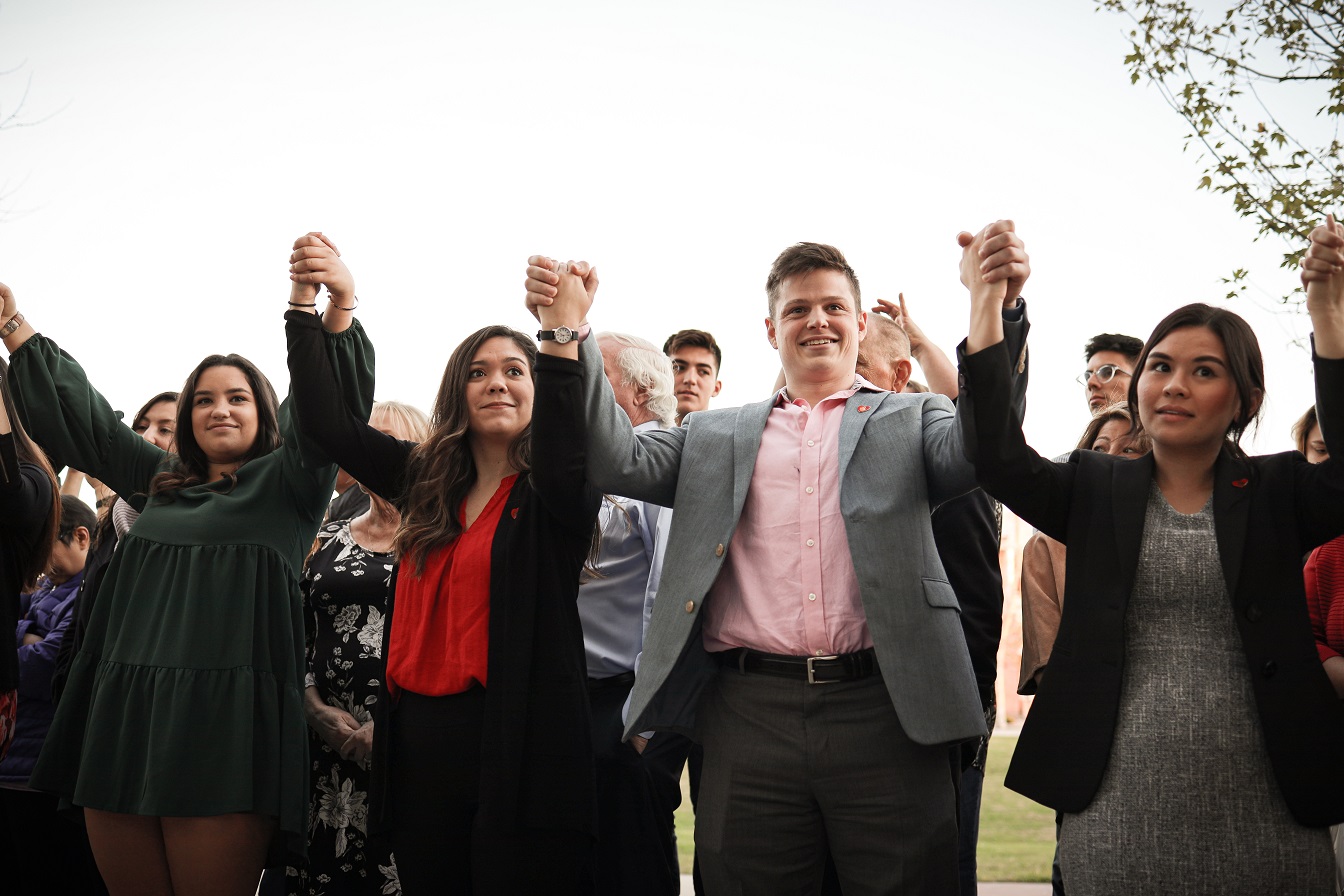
point(72, 421)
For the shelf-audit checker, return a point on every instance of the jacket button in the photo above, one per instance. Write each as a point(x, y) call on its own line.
point(1254, 613)
point(1269, 668)
point(718, 551)
point(690, 606)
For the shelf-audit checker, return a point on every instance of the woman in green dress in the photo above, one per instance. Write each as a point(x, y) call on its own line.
point(181, 731)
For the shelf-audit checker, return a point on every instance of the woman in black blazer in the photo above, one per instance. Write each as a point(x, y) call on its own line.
point(1184, 724)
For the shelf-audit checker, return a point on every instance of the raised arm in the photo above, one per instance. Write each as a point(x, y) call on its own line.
point(993, 267)
point(316, 262)
point(991, 404)
point(643, 466)
point(1321, 486)
point(326, 416)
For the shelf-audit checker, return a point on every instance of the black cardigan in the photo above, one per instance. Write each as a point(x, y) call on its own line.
point(1269, 511)
point(536, 748)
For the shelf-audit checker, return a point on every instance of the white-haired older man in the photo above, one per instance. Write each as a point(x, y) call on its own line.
point(637, 794)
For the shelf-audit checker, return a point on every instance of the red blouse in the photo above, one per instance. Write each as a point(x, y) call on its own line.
point(440, 640)
point(1325, 597)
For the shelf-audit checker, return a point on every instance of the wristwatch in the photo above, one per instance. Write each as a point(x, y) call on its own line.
point(562, 335)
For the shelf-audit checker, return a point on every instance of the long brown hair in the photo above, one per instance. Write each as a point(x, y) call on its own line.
point(189, 465)
point(441, 469)
point(33, 565)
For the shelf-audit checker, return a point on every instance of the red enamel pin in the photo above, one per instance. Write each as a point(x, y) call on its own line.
point(864, 407)
point(1240, 483)
point(514, 513)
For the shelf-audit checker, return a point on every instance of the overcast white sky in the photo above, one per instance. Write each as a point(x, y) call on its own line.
point(680, 147)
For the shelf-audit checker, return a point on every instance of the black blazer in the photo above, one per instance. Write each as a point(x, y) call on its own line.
point(1268, 512)
point(536, 745)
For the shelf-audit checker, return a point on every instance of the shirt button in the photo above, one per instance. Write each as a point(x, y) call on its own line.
point(810, 542)
point(810, 443)
point(690, 606)
point(809, 489)
point(718, 551)
point(820, 653)
point(811, 597)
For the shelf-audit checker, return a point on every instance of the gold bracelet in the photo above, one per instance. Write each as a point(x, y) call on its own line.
point(14, 323)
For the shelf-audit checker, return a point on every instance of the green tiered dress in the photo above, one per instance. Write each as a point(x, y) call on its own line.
point(186, 697)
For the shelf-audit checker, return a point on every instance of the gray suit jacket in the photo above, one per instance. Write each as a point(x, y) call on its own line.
point(899, 457)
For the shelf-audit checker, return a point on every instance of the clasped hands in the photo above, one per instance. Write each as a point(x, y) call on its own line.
point(559, 293)
point(316, 262)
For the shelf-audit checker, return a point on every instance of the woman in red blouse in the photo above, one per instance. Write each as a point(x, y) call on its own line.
point(482, 773)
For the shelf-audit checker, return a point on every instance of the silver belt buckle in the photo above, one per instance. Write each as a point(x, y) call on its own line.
point(812, 672)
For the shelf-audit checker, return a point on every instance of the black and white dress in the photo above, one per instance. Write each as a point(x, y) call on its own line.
point(345, 601)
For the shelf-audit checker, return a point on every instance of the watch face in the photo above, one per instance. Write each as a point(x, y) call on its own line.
point(563, 335)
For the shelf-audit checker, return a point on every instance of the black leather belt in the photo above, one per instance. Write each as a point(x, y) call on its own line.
point(598, 684)
point(811, 669)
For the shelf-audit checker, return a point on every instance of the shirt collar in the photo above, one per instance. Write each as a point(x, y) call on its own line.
point(782, 396)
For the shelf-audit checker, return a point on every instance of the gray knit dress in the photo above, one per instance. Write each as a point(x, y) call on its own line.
point(1188, 804)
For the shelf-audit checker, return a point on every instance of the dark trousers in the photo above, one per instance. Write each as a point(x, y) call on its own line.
point(972, 787)
point(636, 798)
point(793, 771)
point(433, 793)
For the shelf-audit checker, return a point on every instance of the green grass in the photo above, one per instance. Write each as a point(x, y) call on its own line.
point(1017, 836)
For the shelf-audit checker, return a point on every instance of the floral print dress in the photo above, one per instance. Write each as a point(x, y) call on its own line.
point(345, 601)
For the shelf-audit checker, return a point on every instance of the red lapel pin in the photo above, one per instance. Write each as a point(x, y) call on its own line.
point(864, 407)
point(514, 513)
point(1240, 483)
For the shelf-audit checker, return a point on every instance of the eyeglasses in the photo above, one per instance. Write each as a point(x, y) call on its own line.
point(1104, 374)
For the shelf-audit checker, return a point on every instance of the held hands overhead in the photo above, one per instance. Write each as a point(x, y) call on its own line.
point(316, 262)
point(994, 267)
point(1323, 279)
point(559, 294)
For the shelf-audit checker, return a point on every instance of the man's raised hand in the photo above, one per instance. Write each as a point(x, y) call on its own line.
point(1323, 279)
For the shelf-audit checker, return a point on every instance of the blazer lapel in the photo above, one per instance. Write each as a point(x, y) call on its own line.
point(854, 420)
point(1130, 484)
point(746, 445)
point(1231, 514)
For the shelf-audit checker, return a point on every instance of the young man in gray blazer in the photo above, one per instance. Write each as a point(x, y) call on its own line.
point(824, 671)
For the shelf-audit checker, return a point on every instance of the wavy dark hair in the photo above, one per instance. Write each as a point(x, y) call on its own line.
point(1244, 362)
point(441, 469)
point(189, 466)
point(170, 397)
point(33, 565)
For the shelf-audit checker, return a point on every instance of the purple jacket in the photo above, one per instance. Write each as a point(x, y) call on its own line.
point(47, 612)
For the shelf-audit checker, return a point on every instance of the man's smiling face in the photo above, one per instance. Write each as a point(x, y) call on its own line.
point(817, 327)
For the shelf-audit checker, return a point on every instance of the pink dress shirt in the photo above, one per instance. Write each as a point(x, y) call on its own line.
point(788, 585)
